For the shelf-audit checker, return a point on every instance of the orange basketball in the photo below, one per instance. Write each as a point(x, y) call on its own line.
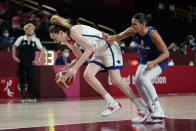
point(61, 83)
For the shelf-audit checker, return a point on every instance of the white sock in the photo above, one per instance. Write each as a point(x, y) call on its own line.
point(109, 98)
point(138, 103)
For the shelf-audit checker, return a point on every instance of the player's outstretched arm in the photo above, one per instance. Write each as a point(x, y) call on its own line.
point(128, 32)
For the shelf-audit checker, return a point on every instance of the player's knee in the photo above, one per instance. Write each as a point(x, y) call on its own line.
point(116, 81)
point(87, 76)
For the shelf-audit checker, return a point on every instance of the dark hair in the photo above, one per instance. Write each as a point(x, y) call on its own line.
point(143, 18)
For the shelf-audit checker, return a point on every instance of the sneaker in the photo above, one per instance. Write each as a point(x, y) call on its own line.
point(111, 108)
point(143, 114)
point(32, 100)
point(152, 121)
point(158, 113)
point(24, 99)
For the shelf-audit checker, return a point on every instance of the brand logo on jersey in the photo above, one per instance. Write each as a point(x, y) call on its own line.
point(142, 47)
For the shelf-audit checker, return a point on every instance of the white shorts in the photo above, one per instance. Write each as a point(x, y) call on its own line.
point(110, 58)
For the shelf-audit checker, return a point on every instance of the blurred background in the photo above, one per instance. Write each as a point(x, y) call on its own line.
point(175, 21)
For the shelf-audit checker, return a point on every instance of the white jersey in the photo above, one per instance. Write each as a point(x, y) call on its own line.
point(94, 38)
point(107, 55)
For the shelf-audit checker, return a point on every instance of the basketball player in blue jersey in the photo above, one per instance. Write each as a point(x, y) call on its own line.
point(153, 60)
point(105, 56)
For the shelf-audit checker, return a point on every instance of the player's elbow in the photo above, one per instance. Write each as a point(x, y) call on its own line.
point(166, 54)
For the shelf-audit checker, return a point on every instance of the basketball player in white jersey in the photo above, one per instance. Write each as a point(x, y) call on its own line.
point(106, 56)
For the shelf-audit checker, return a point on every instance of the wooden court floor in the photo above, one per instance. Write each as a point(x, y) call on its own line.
point(85, 114)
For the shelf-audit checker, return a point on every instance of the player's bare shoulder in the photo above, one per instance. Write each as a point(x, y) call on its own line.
point(155, 37)
point(154, 34)
point(76, 29)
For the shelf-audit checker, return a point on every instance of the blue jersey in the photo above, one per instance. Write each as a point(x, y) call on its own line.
point(148, 50)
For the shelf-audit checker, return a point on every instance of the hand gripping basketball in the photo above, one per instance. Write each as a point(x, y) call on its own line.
point(61, 83)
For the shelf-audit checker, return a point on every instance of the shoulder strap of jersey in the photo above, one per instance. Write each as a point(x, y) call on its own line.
point(151, 28)
point(71, 41)
point(68, 33)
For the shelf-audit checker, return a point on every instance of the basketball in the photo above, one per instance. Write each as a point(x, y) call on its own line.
point(61, 83)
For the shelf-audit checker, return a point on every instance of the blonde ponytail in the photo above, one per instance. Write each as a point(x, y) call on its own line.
point(59, 24)
point(57, 20)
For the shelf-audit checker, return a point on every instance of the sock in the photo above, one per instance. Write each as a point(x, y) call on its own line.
point(109, 98)
point(138, 103)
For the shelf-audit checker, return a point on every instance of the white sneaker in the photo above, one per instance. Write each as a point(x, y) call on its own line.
point(158, 113)
point(143, 114)
point(33, 100)
point(111, 108)
point(152, 121)
point(24, 100)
